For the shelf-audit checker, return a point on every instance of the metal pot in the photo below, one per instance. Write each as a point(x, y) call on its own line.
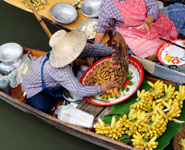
point(10, 53)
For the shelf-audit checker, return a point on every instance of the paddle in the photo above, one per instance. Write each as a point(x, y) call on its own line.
point(39, 19)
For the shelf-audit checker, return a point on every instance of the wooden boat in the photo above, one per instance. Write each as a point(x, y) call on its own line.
point(17, 100)
point(46, 11)
point(45, 15)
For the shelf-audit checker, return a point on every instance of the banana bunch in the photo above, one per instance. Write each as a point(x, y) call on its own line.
point(157, 89)
point(114, 131)
point(182, 143)
point(174, 111)
point(168, 93)
point(143, 143)
point(155, 126)
point(180, 95)
point(135, 121)
point(144, 100)
point(154, 107)
point(77, 3)
point(37, 4)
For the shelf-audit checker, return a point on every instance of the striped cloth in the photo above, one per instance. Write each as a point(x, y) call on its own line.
point(64, 76)
point(109, 14)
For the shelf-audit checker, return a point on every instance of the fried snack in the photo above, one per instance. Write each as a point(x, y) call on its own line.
point(102, 74)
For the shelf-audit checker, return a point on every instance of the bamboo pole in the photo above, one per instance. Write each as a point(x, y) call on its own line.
point(39, 19)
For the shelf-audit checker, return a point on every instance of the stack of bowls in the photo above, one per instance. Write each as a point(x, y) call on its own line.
point(10, 57)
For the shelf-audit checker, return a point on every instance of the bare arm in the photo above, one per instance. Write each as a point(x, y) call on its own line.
point(152, 14)
point(98, 37)
point(67, 79)
point(149, 20)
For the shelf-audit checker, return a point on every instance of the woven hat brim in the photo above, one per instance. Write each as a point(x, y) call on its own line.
point(68, 49)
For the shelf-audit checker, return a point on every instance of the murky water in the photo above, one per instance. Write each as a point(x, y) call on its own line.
point(18, 130)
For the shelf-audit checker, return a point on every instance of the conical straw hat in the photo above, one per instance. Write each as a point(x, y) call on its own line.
point(66, 47)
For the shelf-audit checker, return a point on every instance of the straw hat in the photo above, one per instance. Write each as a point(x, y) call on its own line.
point(66, 47)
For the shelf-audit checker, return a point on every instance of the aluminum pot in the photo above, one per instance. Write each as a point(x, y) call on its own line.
point(10, 53)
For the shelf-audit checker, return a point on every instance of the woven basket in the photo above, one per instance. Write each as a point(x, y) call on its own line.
point(178, 136)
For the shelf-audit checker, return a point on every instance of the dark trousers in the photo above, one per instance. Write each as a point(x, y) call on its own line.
point(43, 101)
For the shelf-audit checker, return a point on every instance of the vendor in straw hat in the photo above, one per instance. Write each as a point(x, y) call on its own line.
point(50, 73)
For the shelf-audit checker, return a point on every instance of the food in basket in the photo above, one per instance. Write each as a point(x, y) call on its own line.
point(148, 117)
point(37, 4)
point(102, 74)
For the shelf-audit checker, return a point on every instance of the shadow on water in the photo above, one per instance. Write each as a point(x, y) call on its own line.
point(23, 131)
point(18, 130)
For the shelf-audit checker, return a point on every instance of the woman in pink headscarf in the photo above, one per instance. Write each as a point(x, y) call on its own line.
point(138, 21)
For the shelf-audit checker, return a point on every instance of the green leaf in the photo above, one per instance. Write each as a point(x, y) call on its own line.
point(130, 77)
point(123, 88)
point(124, 138)
point(131, 83)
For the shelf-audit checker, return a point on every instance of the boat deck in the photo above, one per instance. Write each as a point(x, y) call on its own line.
point(96, 111)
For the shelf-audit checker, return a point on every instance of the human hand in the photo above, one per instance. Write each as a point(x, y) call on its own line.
point(113, 83)
point(147, 26)
point(90, 60)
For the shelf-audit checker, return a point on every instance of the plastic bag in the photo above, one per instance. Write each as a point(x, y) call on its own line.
point(16, 76)
point(72, 115)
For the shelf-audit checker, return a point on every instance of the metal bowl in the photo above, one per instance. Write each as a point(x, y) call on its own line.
point(70, 96)
point(86, 22)
point(90, 8)
point(10, 53)
point(63, 13)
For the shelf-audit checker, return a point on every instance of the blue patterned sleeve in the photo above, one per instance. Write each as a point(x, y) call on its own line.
point(105, 21)
point(67, 79)
point(152, 8)
point(96, 50)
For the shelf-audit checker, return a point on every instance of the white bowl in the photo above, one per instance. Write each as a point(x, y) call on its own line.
point(63, 13)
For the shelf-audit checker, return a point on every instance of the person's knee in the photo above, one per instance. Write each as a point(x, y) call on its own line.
point(41, 103)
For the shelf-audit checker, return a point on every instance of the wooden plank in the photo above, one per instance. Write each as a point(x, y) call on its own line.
point(154, 79)
point(103, 113)
point(84, 102)
point(46, 11)
point(93, 109)
point(46, 14)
